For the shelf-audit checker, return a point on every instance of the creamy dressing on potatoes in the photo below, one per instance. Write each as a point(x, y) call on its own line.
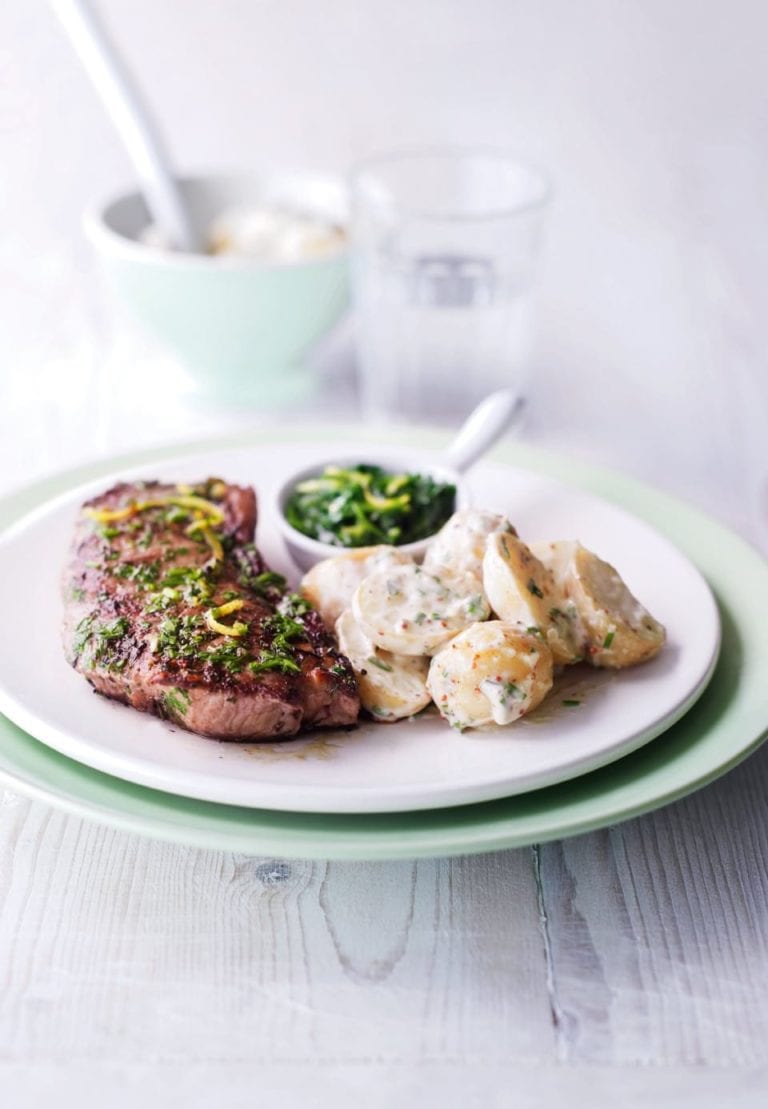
point(505, 699)
point(459, 546)
point(521, 589)
point(492, 672)
point(617, 630)
point(391, 686)
point(406, 610)
point(330, 584)
point(495, 614)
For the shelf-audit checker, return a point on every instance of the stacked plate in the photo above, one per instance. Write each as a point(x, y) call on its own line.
point(603, 747)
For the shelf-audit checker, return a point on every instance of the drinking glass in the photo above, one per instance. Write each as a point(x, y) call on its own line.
point(444, 245)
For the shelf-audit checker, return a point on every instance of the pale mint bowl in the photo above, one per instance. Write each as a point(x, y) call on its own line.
point(243, 328)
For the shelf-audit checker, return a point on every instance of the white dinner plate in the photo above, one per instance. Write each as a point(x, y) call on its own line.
point(415, 764)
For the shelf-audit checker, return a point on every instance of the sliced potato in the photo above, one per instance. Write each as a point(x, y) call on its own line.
point(329, 585)
point(618, 630)
point(460, 544)
point(521, 590)
point(391, 686)
point(406, 610)
point(491, 673)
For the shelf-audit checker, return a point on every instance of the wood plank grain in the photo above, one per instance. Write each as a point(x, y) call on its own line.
point(658, 931)
point(112, 947)
point(116, 948)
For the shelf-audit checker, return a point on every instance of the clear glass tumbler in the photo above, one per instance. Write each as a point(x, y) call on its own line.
point(444, 245)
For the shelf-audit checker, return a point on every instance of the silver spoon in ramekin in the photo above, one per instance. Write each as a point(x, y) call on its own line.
point(482, 428)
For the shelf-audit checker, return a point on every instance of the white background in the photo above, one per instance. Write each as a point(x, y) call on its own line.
point(623, 967)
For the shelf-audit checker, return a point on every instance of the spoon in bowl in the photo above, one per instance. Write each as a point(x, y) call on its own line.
point(135, 125)
point(482, 428)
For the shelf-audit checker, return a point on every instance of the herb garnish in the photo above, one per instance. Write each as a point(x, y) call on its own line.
point(193, 581)
point(114, 630)
point(280, 655)
point(179, 637)
point(102, 640)
point(231, 656)
point(83, 632)
point(264, 582)
point(268, 661)
point(293, 605)
point(143, 573)
point(509, 689)
point(176, 701)
point(283, 630)
point(377, 662)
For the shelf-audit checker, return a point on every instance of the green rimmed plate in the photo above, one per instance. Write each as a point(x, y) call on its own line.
point(726, 724)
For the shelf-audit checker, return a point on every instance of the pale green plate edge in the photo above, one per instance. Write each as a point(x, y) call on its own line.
point(726, 724)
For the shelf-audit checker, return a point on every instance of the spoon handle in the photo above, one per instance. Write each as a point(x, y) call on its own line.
point(482, 428)
point(133, 122)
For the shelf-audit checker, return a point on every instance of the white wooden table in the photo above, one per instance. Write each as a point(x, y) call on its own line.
point(626, 967)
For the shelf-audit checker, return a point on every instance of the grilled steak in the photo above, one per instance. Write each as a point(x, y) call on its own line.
point(170, 609)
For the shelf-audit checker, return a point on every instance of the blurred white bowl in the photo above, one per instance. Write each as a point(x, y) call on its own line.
point(243, 326)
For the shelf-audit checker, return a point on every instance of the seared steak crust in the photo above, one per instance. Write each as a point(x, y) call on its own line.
point(169, 608)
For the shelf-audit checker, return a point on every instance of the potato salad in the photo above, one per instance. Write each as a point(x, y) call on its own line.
point(482, 626)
